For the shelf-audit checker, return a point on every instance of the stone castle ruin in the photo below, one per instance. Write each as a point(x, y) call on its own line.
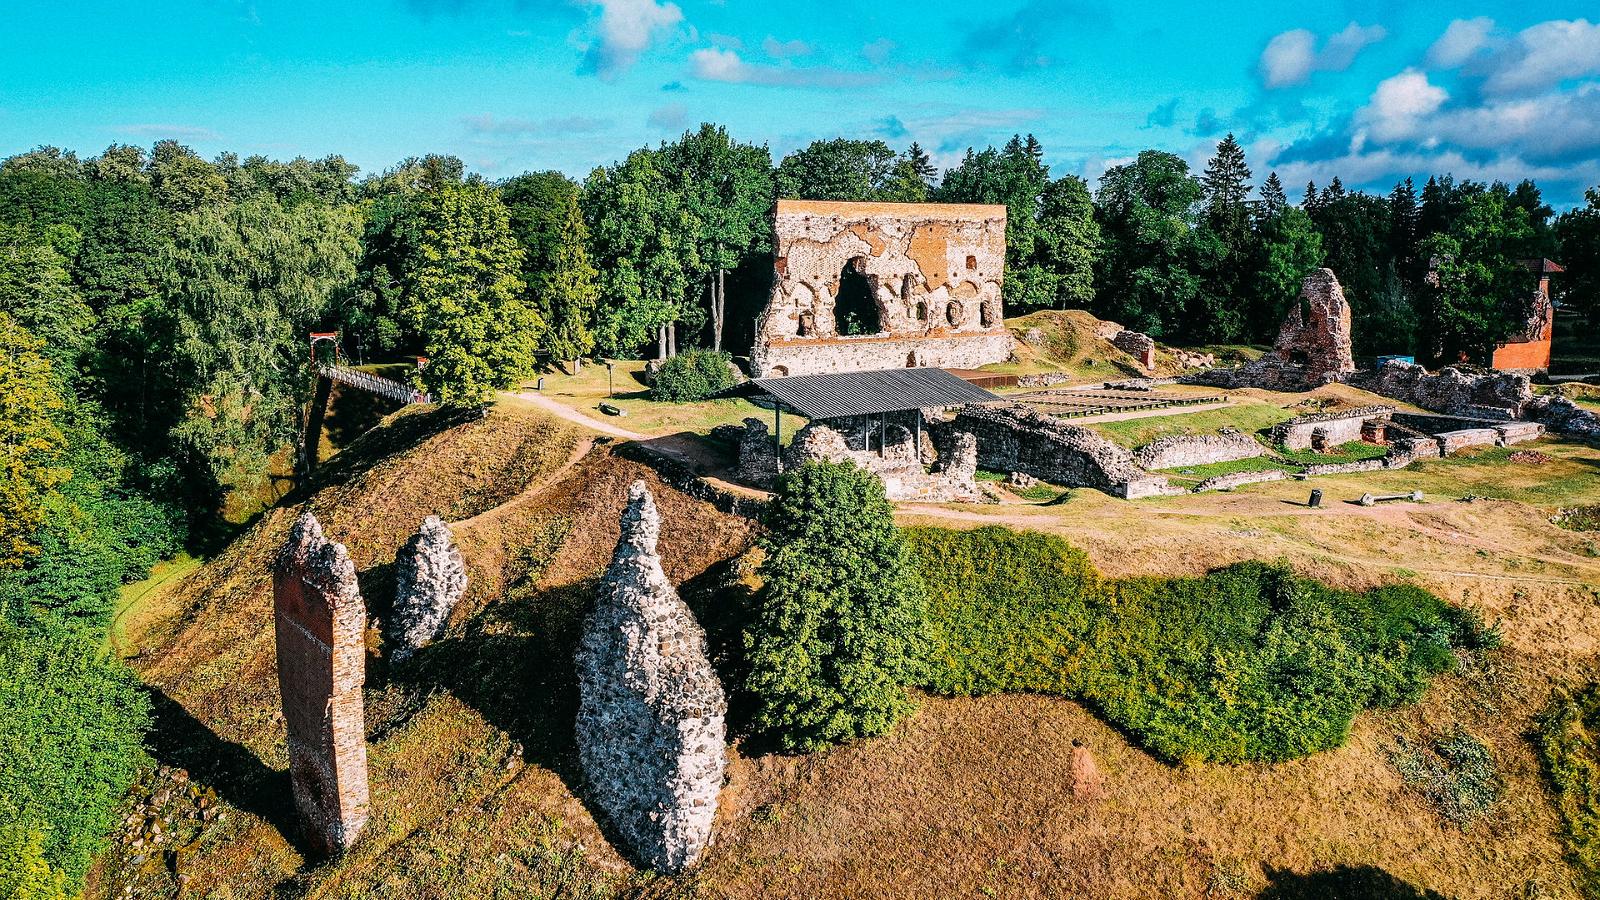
point(1313, 345)
point(430, 577)
point(320, 622)
point(862, 286)
point(909, 465)
point(651, 712)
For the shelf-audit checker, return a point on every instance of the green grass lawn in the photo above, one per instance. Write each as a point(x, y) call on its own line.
point(1248, 416)
point(588, 389)
point(1196, 474)
point(1354, 451)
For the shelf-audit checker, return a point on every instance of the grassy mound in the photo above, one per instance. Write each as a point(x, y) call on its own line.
point(1248, 664)
point(1568, 737)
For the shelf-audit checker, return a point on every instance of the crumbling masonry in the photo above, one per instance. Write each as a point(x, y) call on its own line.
point(931, 273)
point(1313, 346)
point(320, 623)
point(430, 577)
point(650, 724)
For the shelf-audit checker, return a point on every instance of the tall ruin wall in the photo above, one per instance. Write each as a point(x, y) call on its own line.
point(320, 623)
point(933, 272)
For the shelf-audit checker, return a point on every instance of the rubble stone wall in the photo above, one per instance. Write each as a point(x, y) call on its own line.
point(1451, 391)
point(1451, 442)
point(1313, 345)
point(1138, 345)
point(899, 464)
point(934, 271)
point(1015, 438)
point(320, 621)
point(651, 725)
point(1338, 427)
point(430, 577)
point(1197, 450)
point(1238, 479)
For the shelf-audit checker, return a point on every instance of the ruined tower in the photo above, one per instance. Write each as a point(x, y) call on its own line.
point(651, 714)
point(320, 622)
point(430, 577)
point(1316, 333)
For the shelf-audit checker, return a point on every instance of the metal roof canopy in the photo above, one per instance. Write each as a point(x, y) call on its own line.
point(838, 395)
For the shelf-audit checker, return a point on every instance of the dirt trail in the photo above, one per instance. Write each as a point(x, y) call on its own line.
point(572, 415)
point(579, 451)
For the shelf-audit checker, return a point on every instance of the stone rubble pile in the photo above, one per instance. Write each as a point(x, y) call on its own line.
point(430, 577)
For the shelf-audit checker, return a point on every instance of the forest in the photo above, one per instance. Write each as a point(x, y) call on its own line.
point(155, 308)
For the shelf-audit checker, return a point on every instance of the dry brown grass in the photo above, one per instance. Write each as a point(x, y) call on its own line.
point(474, 780)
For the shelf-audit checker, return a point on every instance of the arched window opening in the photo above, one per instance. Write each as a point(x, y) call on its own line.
point(986, 315)
point(953, 313)
point(855, 310)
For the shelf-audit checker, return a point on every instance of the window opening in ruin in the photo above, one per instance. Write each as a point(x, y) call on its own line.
point(855, 310)
point(922, 312)
point(906, 285)
point(972, 262)
point(986, 315)
point(952, 313)
point(911, 360)
point(807, 325)
point(1300, 357)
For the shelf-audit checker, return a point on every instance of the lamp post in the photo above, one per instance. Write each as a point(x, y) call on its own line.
point(611, 393)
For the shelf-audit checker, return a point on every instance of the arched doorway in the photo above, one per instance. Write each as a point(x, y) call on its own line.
point(855, 309)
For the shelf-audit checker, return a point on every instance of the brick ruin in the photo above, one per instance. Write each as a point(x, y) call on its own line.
point(887, 448)
point(651, 716)
point(1313, 345)
point(430, 576)
point(862, 286)
point(1528, 351)
point(320, 623)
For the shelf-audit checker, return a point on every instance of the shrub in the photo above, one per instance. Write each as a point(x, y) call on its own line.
point(1456, 774)
point(1568, 738)
point(692, 375)
point(24, 873)
point(71, 725)
point(1249, 663)
point(837, 629)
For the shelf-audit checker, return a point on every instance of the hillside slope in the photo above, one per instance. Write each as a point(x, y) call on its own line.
point(475, 788)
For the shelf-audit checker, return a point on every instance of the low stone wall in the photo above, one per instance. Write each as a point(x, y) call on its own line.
point(1197, 450)
point(812, 356)
point(898, 464)
point(1517, 432)
point(1236, 479)
point(1360, 465)
point(1562, 415)
point(1138, 345)
point(1044, 379)
point(1451, 391)
point(1455, 441)
point(1338, 427)
point(1015, 438)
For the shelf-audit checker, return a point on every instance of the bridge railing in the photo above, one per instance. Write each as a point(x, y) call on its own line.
point(375, 384)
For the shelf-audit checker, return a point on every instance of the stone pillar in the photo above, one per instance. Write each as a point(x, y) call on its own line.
point(651, 711)
point(429, 577)
point(320, 622)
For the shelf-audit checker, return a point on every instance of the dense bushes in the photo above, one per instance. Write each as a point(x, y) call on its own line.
point(1568, 737)
point(71, 721)
point(24, 872)
point(692, 375)
point(837, 629)
point(1249, 663)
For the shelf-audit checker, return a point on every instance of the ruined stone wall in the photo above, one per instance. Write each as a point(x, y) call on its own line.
point(1015, 438)
point(1528, 352)
point(1138, 345)
point(1313, 345)
point(1238, 479)
point(430, 576)
point(934, 271)
point(1560, 414)
point(320, 621)
point(899, 465)
point(1451, 390)
point(1338, 427)
point(651, 717)
point(1197, 450)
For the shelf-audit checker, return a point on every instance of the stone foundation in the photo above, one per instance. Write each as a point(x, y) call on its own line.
point(1239, 479)
point(893, 457)
point(782, 358)
point(1451, 442)
point(1451, 391)
point(1198, 450)
point(320, 622)
point(1335, 428)
point(651, 715)
point(1015, 438)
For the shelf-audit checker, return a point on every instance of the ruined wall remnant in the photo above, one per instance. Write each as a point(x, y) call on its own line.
point(650, 723)
point(888, 450)
point(1138, 345)
point(320, 623)
point(430, 577)
point(1451, 391)
point(1313, 345)
point(1330, 429)
point(1198, 449)
point(931, 272)
point(1014, 438)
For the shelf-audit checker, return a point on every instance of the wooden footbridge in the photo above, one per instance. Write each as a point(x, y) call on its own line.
point(388, 388)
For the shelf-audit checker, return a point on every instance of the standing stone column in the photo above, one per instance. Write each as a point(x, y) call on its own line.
point(651, 714)
point(430, 577)
point(320, 621)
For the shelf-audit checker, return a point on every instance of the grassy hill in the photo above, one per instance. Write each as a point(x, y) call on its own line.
point(1067, 341)
point(475, 787)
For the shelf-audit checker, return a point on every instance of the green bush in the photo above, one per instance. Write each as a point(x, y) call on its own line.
point(71, 726)
point(1249, 663)
point(24, 872)
point(1568, 738)
point(837, 629)
point(692, 375)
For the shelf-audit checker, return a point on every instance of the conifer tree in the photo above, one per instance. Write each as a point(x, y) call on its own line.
point(567, 293)
point(1273, 199)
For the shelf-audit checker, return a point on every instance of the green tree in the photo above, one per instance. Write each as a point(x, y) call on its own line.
point(1014, 176)
point(1147, 212)
point(24, 872)
point(31, 444)
point(467, 297)
point(182, 181)
point(1478, 292)
point(1579, 233)
point(1067, 243)
point(1273, 199)
point(727, 189)
point(77, 719)
point(838, 629)
point(836, 169)
point(37, 292)
point(641, 233)
point(548, 224)
point(1288, 248)
point(1224, 246)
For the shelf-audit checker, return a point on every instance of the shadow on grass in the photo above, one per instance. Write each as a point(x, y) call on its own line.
point(1342, 883)
point(177, 738)
point(353, 413)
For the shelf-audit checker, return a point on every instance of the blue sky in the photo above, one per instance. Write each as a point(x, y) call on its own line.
point(1365, 90)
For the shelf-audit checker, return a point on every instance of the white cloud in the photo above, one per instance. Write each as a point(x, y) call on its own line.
point(785, 49)
point(626, 29)
point(713, 64)
point(670, 117)
point(172, 132)
point(1460, 42)
point(878, 51)
point(1399, 105)
point(1547, 54)
point(1291, 57)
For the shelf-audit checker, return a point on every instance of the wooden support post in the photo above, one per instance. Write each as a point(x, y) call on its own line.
point(777, 433)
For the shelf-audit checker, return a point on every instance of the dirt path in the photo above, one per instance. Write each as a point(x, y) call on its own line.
point(579, 451)
point(572, 415)
point(1148, 413)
